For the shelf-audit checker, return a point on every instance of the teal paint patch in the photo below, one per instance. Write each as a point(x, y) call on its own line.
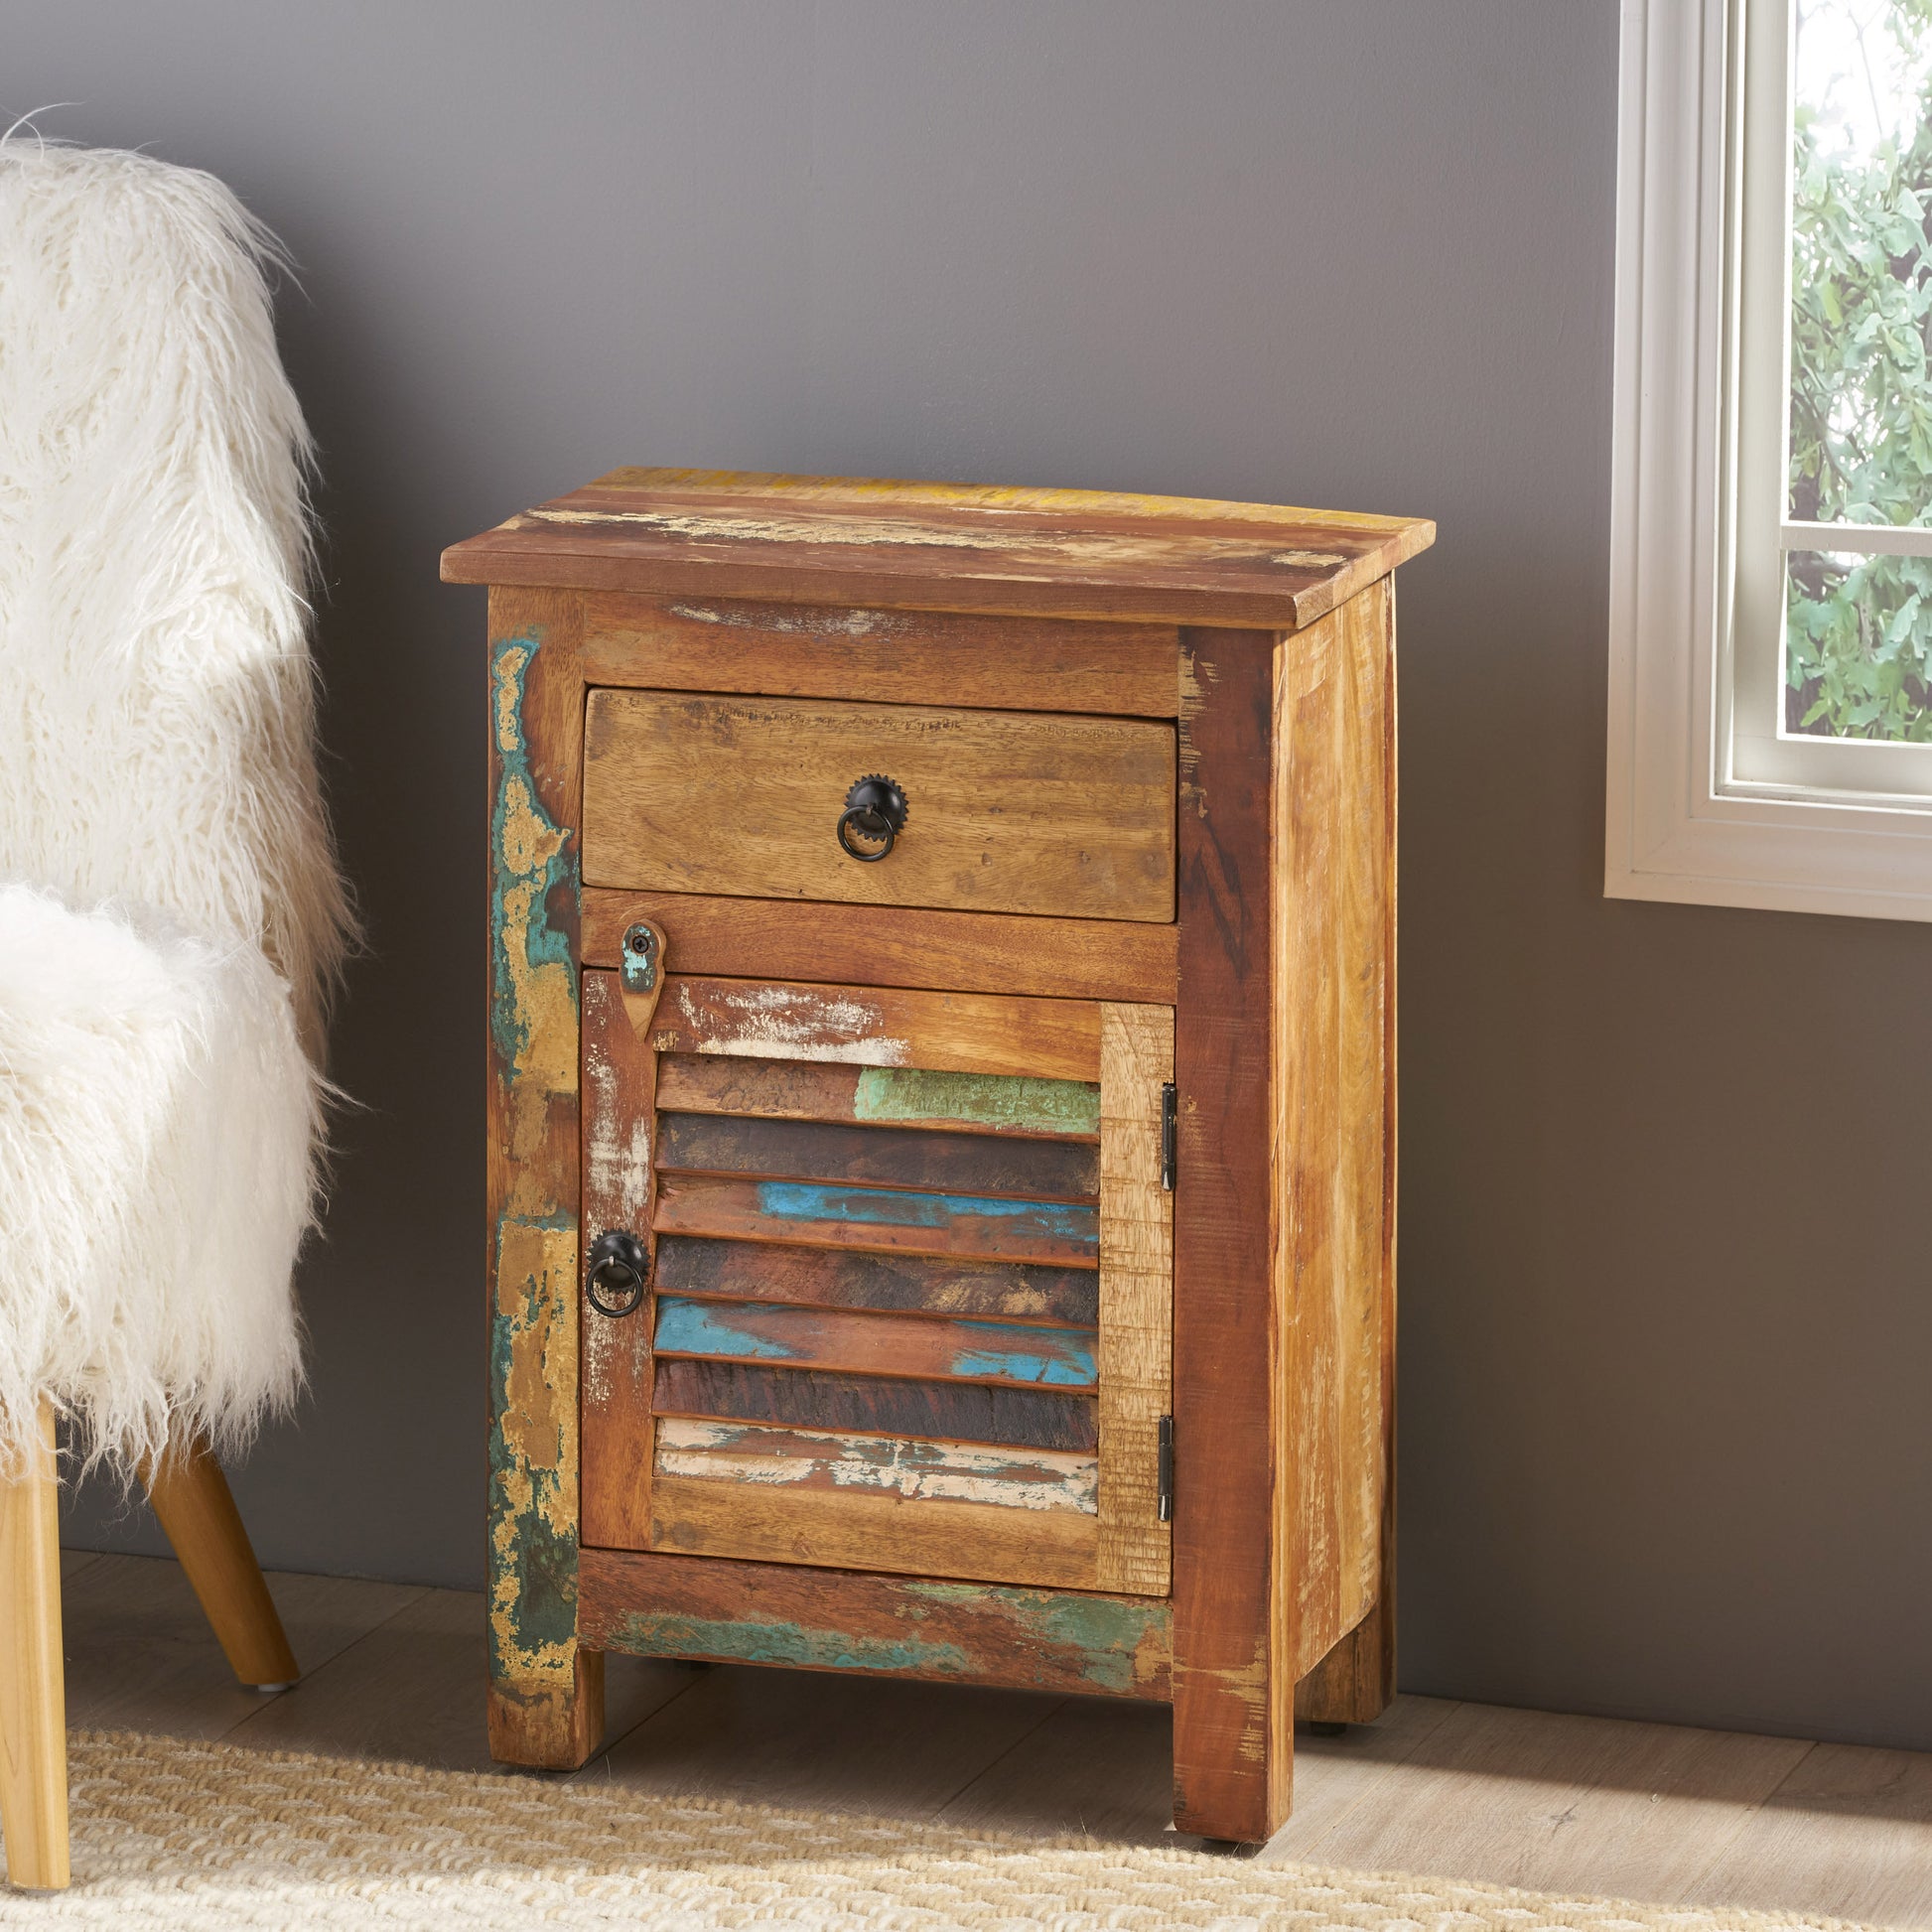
point(800, 1201)
point(1105, 1632)
point(1012, 1100)
point(698, 1328)
point(1016, 1355)
point(645, 1634)
point(531, 864)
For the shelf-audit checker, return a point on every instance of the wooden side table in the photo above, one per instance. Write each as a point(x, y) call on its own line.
point(941, 1100)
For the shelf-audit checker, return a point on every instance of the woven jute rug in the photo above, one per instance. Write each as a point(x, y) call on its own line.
point(174, 1834)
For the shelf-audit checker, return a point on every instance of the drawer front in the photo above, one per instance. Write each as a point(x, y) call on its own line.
point(1008, 812)
point(912, 1281)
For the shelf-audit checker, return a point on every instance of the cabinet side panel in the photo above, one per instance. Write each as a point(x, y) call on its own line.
point(1339, 1267)
point(1330, 988)
point(545, 1693)
point(1232, 1762)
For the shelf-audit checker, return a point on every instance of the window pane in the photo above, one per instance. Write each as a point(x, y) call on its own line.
point(1861, 262)
point(1858, 658)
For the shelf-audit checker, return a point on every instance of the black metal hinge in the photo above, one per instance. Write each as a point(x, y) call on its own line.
point(1170, 1134)
point(1163, 1473)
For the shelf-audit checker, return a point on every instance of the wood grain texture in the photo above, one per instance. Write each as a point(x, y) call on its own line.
point(810, 650)
point(1233, 1731)
point(956, 1163)
point(657, 1605)
point(871, 945)
point(1556, 1803)
point(546, 1693)
point(975, 1103)
point(847, 1529)
point(946, 546)
point(867, 1025)
point(881, 1405)
point(33, 1693)
point(930, 1348)
point(1333, 927)
point(806, 1459)
point(1354, 1682)
point(1844, 1833)
point(139, 1653)
point(1009, 812)
point(620, 1189)
point(193, 1505)
point(906, 1284)
point(883, 1220)
point(1136, 1298)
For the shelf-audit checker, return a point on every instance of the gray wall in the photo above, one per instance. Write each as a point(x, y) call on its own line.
point(1667, 1318)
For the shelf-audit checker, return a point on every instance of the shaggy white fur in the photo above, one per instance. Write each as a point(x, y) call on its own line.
point(174, 915)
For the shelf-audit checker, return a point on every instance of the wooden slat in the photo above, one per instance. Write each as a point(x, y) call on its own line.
point(878, 1405)
point(935, 1349)
point(1009, 811)
point(801, 1459)
point(873, 945)
point(907, 1283)
point(655, 1605)
point(848, 540)
point(810, 651)
point(991, 1103)
point(1136, 1298)
point(1334, 861)
point(865, 1026)
point(845, 1528)
point(1234, 1734)
point(546, 1693)
point(881, 1219)
point(620, 1072)
point(877, 1157)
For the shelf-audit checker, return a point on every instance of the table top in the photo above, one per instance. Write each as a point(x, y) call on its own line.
point(1077, 553)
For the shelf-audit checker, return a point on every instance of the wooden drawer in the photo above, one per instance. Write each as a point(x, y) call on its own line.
point(911, 1280)
point(1009, 811)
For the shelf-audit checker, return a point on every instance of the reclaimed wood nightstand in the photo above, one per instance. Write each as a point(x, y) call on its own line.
point(941, 1100)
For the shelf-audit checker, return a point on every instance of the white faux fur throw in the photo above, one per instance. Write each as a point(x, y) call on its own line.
point(171, 912)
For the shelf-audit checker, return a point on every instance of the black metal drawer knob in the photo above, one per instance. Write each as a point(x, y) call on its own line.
point(874, 815)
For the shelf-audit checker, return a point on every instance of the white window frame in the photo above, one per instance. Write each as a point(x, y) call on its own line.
point(1679, 822)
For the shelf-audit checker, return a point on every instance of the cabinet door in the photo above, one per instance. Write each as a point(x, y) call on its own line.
point(911, 1283)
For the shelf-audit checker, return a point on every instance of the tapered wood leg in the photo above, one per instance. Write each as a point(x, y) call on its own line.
point(33, 1694)
point(190, 1497)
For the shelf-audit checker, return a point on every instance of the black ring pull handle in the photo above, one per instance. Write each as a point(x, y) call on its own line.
point(619, 1269)
point(876, 811)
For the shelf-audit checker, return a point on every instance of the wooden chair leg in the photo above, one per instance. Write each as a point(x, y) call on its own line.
point(190, 1497)
point(32, 1690)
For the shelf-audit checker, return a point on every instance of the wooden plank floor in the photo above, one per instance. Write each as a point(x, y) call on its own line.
point(1653, 1812)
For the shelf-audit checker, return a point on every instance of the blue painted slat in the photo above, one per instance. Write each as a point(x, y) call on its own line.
point(798, 1201)
point(878, 1345)
point(706, 1328)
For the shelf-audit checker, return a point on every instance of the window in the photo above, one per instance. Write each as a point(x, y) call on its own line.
point(1771, 597)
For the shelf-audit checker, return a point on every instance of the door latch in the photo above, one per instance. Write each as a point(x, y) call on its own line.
point(1170, 1134)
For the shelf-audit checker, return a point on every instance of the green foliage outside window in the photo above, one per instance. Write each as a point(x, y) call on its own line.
point(1858, 629)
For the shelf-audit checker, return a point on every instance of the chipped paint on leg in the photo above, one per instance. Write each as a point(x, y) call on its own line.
point(534, 1031)
point(533, 1453)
